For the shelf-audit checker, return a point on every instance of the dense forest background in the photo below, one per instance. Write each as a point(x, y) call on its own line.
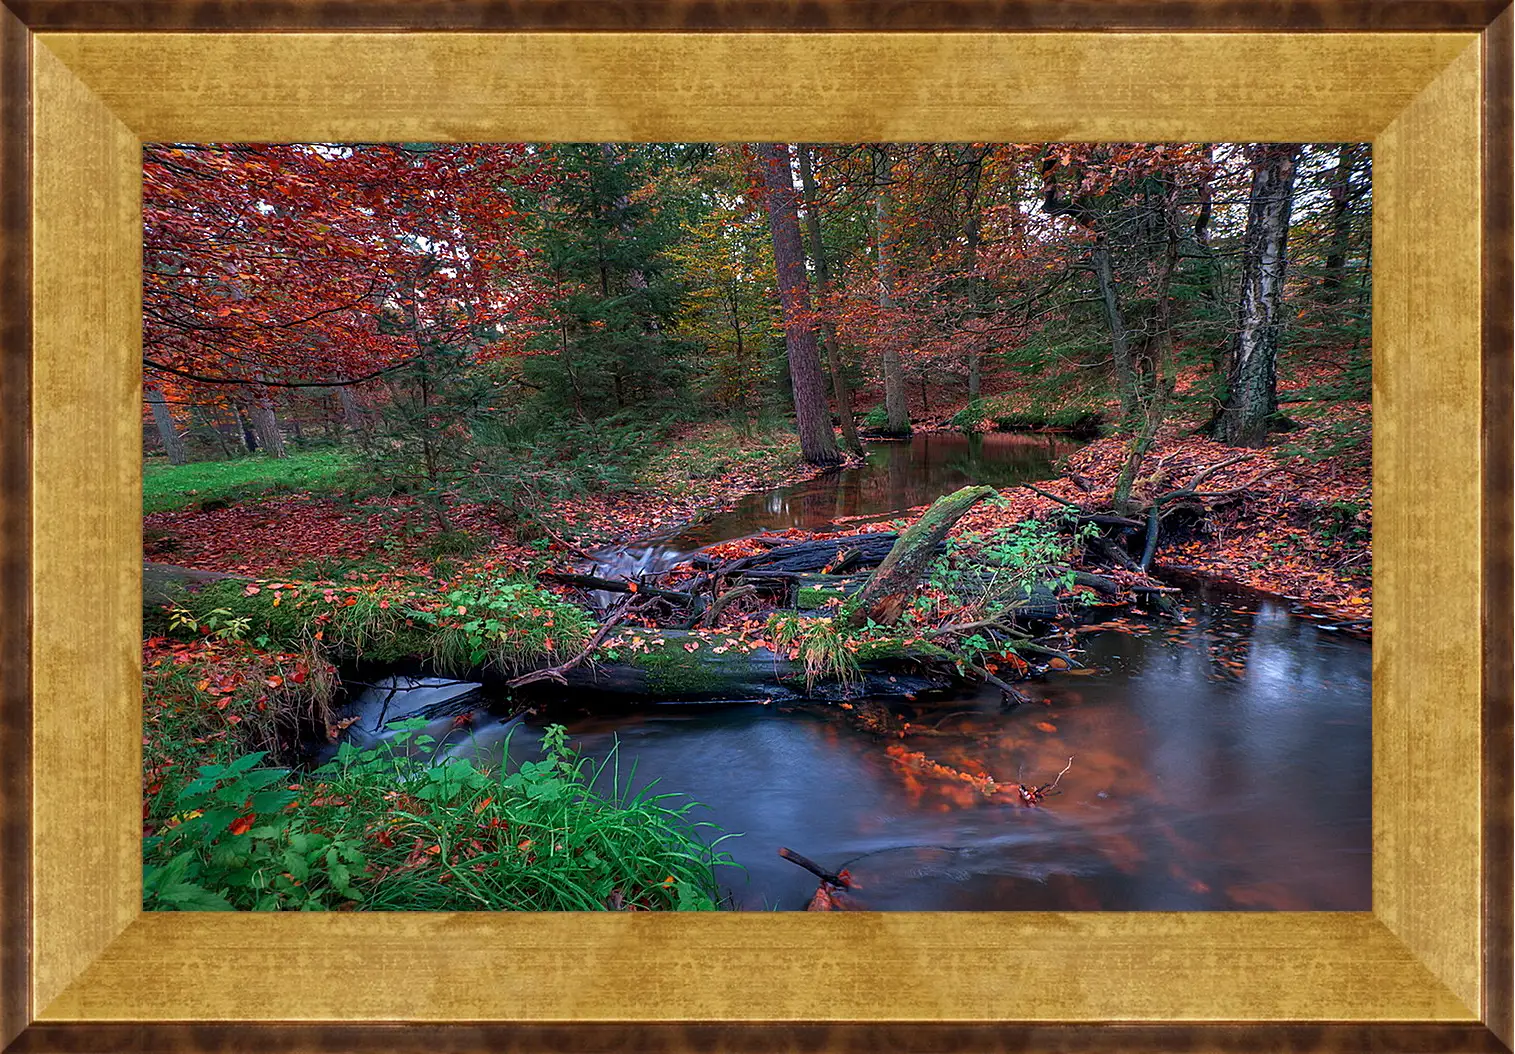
point(504, 322)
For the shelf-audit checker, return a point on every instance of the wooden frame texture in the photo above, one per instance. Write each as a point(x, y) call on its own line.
point(84, 83)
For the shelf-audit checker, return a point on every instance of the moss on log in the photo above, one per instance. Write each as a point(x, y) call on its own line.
point(898, 578)
point(675, 665)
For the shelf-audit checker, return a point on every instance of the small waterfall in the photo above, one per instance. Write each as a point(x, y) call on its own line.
point(630, 561)
point(397, 697)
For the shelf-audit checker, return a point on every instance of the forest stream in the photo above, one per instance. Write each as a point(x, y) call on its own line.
point(1219, 763)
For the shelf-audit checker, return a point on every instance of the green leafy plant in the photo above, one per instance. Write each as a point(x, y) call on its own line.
point(385, 828)
point(220, 623)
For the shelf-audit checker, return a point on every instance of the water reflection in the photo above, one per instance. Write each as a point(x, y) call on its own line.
point(896, 476)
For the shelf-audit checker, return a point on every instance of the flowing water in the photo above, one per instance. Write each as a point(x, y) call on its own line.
point(1219, 764)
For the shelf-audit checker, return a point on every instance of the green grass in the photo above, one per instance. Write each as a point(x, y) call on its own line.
point(823, 645)
point(380, 830)
point(166, 487)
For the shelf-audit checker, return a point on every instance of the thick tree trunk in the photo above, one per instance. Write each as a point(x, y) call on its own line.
point(898, 578)
point(266, 425)
point(896, 406)
point(352, 414)
point(1252, 383)
point(823, 286)
point(168, 434)
point(812, 414)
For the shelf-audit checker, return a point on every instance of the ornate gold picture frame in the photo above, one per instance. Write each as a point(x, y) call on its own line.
point(85, 84)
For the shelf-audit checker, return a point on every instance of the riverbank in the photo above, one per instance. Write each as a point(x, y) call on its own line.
point(1293, 520)
point(322, 519)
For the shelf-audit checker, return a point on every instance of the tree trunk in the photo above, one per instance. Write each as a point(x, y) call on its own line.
point(1252, 384)
point(972, 235)
point(898, 578)
point(1153, 384)
point(1120, 346)
point(352, 415)
point(1082, 213)
point(168, 434)
point(266, 426)
point(896, 407)
point(1214, 287)
point(823, 287)
point(1341, 221)
point(812, 414)
point(249, 438)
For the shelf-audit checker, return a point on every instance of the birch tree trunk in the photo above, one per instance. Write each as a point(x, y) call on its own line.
point(896, 408)
point(1252, 383)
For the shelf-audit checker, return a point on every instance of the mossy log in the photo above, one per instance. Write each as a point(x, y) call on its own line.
point(166, 583)
point(680, 666)
point(898, 578)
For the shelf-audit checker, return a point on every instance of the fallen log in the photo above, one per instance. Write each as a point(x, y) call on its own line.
point(812, 556)
point(685, 666)
point(898, 578)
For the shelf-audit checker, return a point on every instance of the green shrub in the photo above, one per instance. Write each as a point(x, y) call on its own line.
point(985, 573)
point(969, 417)
point(452, 543)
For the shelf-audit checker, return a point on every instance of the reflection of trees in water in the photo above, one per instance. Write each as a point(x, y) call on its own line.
point(897, 476)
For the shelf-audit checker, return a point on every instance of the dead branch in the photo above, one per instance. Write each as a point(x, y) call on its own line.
point(841, 881)
point(721, 602)
point(1053, 497)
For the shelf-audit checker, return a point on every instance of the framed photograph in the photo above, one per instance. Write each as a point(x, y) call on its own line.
point(1038, 474)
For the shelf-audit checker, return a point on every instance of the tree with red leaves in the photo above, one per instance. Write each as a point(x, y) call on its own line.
point(286, 267)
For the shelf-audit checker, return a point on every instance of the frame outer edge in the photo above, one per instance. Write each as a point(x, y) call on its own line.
point(832, 16)
point(1498, 525)
point(15, 524)
point(15, 537)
